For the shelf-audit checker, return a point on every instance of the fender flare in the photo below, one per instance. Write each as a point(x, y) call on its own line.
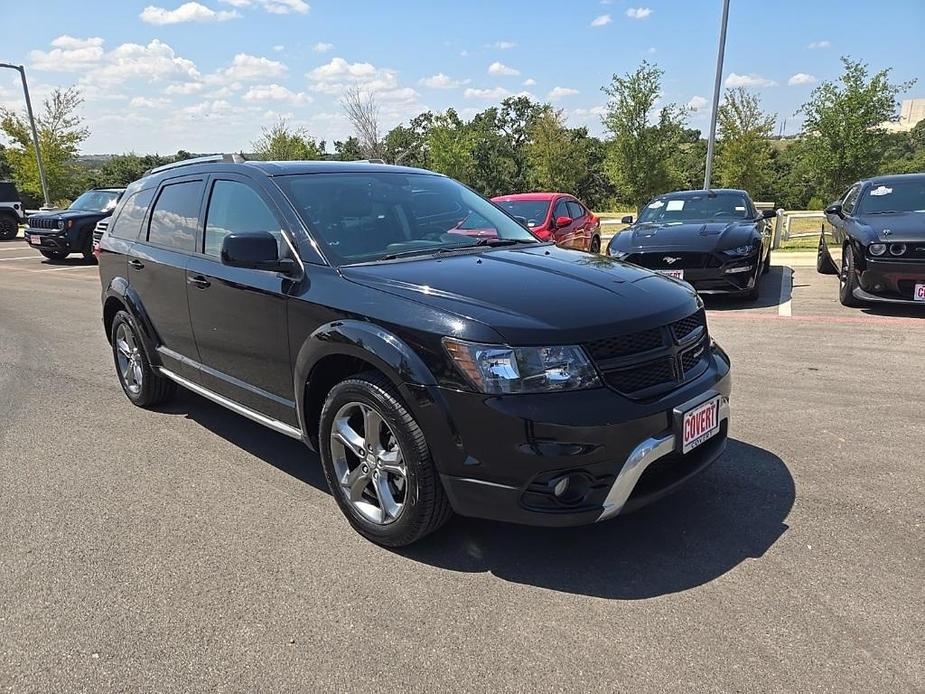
point(120, 290)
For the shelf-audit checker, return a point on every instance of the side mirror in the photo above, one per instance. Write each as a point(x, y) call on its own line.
point(628, 219)
point(563, 222)
point(835, 209)
point(255, 251)
point(768, 214)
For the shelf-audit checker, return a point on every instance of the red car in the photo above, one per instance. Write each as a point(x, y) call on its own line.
point(556, 217)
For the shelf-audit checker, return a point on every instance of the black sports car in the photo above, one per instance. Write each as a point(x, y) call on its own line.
point(56, 234)
point(874, 237)
point(714, 239)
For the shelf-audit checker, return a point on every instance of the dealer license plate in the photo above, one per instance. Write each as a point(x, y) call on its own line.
point(699, 424)
point(677, 274)
point(919, 293)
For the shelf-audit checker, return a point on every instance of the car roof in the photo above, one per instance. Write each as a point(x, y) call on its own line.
point(529, 196)
point(283, 168)
point(894, 178)
point(698, 193)
point(110, 190)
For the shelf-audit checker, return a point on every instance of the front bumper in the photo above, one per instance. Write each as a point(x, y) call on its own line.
point(708, 273)
point(891, 281)
point(49, 239)
point(619, 454)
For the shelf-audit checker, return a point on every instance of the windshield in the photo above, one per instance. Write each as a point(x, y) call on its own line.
point(676, 208)
point(361, 217)
point(96, 201)
point(906, 196)
point(534, 211)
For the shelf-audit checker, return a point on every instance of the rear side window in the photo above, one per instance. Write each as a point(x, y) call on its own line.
point(176, 216)
point(236, 207)
point(128, 224)
point(576, 210)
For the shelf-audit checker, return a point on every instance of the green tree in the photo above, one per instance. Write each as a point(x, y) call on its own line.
point(449, 145)
point(496, 165)
point(122, 169)
point(282, 143)
point(61, 132)
point(843, 140)
point(557, 159)
point(743, 157)
point(643, 152)
point(907, 155)
point(348, 150)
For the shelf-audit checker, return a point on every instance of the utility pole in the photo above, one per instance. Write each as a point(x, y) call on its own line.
point(711, 143)
point(35, 134)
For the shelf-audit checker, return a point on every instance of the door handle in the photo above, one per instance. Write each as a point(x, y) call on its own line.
point(135, 263)
point(198, 281)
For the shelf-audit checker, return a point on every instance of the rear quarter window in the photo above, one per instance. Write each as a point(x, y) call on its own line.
point(127, 223)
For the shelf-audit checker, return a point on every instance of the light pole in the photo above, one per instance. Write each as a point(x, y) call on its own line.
point(35, 134)
point(716, 87)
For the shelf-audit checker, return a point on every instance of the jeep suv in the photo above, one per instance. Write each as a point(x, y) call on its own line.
point(12, 213)
point(337, 303)
point(57, 234)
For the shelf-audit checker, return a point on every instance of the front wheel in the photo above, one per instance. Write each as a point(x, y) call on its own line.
point(377, 463)
point(87, 250)
point(54, 255)
point(595, 246)
point(848, 281)
point(824, 264)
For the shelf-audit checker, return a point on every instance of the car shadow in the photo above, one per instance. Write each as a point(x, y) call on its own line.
point(733, 512)
point(284, 453)
point(770, 295)
point(895, 310)
point(69, 261)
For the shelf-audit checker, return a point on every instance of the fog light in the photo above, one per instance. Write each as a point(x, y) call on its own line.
point(561, 487)
point(897, 248)
point(744, 268)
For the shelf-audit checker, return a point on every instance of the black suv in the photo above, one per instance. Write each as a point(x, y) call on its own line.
point(12, 213)
point(337, 303)
point(58, 234)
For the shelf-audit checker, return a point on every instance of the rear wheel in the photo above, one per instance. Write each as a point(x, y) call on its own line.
point(9, 227)
point(595, 246)
point(87, 250)
point(377, 463)
point(141, 383)
point(824, 264)
point(848, 281)
point(54, 255)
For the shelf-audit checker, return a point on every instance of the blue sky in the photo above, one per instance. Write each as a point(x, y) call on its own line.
point(204, 76)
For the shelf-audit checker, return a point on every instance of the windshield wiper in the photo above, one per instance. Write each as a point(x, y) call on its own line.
point(503, 242)
point(884, 212)
point(422, 251)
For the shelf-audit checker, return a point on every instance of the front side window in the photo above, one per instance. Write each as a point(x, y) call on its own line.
point(561, 210)
point(576, 211)
point(236, 207)
point(362, 217)
point(175, 217)
point(678, 209)
point(96, 201)
point(850, 200)
point(128, 224)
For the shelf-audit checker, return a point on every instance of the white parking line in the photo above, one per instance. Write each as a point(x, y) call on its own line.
point(22, 257)
point(786, 290)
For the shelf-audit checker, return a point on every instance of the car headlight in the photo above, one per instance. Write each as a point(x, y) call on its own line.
point(740, 251)
point(499, 369)
point(619, 255)
point(876, 248)
point(60, 223)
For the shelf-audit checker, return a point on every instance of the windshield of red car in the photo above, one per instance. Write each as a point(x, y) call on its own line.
point(362, 217)
point(534, 211)
point(676, 208)
point(905, 196)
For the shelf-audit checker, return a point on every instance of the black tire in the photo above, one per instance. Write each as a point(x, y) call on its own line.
point(425, 504)
point(753, 293)
point(55, 255)
point(87, 250)
point(595, 246)
point(824, 264)
point(766, 268)
point(154, 388)
point(9, 227)
point(848, 280)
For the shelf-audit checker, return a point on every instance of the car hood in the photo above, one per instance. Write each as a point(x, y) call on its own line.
point(536, 295)
point(902, 226)
point(702, 236)
point(68, 214)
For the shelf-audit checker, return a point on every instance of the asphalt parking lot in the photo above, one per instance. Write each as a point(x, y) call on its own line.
point(190, 549)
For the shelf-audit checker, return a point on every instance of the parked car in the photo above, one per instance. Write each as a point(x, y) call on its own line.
point(330, 301)
point(556, 217)
point(874, 238)
point(57, 234)
point(716, 240)
point(12, 213)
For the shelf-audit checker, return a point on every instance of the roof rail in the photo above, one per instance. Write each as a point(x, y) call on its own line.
point(212, 158)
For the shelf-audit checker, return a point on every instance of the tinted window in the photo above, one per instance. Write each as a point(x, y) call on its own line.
point(236, 207)
point(8, 192)
point(706, 207)
point(901, 196)
point(561, 210)
point(176, 216)
point(850, 200)
point(96, 201)
point(576, 210)
point(128, 223)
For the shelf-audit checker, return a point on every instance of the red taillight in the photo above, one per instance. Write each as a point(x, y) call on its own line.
point(97, 251)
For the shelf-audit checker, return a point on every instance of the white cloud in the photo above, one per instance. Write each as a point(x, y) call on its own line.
point(322, 47)
point(273, 6)
point(501, 45)
point(146, 102)
point(820, 44)
point(69, 54)
point(496, 93)
point(338, 74)
point(529, 82)
point(442, 81)
point(735, 80)
point(185, 88)
point(279, 48)
point(248, 67)
point(801, 78)
point(696, 103)
point(557, 93)
point(497, 68)
point(639, 12)
point(602, 20)
point(276, 92)
point(187, 12)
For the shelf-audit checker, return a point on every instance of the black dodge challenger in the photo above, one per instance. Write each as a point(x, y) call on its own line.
point(714, 239)
point(874, 238)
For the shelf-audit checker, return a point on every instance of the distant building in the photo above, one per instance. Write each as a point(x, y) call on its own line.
point(911, 112)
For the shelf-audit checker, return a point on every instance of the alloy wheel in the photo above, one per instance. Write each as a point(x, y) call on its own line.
point(129, 358)
point(369, 463)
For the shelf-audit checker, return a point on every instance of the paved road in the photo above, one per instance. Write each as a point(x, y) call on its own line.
point(190, 549)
